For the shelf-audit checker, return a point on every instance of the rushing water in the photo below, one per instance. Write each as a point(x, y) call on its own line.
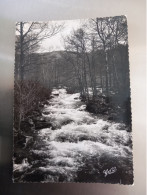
point(78, 147)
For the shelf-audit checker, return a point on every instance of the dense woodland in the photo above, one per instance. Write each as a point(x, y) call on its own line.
point(94, 63)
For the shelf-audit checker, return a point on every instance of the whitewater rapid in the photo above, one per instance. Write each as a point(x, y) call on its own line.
point(78, 142)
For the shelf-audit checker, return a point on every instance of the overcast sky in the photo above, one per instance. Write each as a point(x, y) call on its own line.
point(55, 43)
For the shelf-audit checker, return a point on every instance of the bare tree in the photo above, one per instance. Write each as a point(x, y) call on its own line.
point(29, 36)
point(76, 52)
point(110, 32)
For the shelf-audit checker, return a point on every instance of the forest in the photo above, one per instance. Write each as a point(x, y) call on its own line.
point(94, 64)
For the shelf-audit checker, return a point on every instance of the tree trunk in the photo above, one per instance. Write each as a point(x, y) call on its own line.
point(21, 53)
point(107, 72)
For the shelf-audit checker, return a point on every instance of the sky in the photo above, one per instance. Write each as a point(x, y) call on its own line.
point(56, 43)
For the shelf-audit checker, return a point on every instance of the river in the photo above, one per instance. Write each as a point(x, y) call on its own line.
point(79, 147)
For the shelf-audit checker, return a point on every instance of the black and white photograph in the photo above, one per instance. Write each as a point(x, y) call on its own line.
point(72, 107)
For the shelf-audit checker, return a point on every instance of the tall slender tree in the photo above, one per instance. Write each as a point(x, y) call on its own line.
point(29, 36)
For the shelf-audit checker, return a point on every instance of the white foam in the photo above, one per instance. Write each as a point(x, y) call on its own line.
point(22, 166)
point(78, 135)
